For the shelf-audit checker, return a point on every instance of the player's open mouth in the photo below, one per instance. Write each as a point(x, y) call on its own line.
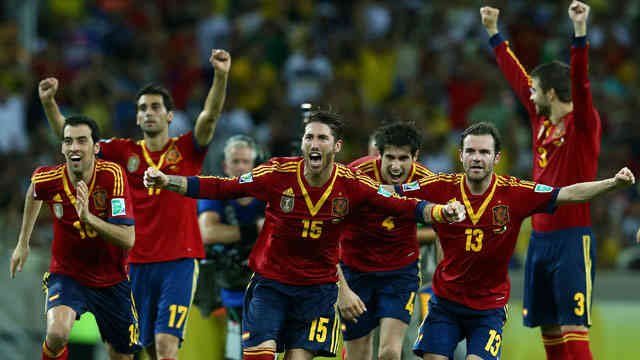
point(315, 159)
point(395, 177)
point(75, 158)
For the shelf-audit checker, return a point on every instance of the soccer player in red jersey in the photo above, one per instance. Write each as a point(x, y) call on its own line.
point(379, 253)
point(290, 302)
point(566, 145)
point(471, 283)
point(92, 231)
point(163, 268)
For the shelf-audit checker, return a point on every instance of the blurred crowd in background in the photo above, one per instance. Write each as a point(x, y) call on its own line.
point(370, 61)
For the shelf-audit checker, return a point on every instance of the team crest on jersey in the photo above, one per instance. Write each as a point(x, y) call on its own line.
point(133, 163)
point(58, 210)
point(173, 156)
point(100, 199)
point(500, 215)
point(287, 200)
point(339, 207)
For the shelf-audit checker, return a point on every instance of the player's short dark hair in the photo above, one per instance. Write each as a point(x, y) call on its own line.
point(156, 89)
point(555, 75)
point(76, 120)
point(331, 119)
point(483, 128)
point(398, 134)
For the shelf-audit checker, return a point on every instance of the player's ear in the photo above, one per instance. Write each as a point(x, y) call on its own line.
point(460, 155)
point(497, 158)
point(170, 117)
point(96, 148)
point(338, 146)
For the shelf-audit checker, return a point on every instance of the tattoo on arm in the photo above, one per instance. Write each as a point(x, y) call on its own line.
point(177, 184)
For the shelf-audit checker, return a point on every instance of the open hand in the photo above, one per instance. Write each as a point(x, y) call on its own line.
point(82, 200)
point(18, 259)
point(350, 304)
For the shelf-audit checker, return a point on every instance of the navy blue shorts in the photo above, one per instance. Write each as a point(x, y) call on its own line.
point(448, 323)
point(112, 307)
point(559, 274)
point(296, 317)
point(386, 294)
point(163, 292)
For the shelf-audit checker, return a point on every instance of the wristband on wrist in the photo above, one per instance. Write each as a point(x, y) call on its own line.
point(436, 213)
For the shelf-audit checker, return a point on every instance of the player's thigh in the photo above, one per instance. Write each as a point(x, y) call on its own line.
point(116, 316)
point(145, 285)
point(439, 333)
point(176, 296)
point(484, 334)
point(396, 295)
point(364, 285)
point(313, 323)
point(264, 313)
point(65, 302)
point(573, 280)
point(539, 305)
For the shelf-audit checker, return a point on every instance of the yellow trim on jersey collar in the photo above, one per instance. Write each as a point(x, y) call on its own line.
point(313, 209)
point(413, 172)
point(376, 171)
point(67, 188)
point(475, 217)
point(147, 157)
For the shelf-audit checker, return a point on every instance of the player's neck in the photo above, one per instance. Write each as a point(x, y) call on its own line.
point(318, 180)
point(84, 176)
point(559, 110)
point(156, 142)
point(478, 187)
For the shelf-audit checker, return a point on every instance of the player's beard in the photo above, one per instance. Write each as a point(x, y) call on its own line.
point(543, 110)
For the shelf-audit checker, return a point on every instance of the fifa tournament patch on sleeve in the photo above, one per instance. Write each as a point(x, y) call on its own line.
point(541, 188)
point(117, 207)
point(410, 186)
point(384, 192)
point(246, 178)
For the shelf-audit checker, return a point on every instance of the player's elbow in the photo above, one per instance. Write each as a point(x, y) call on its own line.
point(130, 238)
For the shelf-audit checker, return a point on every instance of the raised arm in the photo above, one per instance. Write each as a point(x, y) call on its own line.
point(586, 117)
point(29, 216)
point(507, 60)
point(120, 235)
point(206, 123)
point(586, 191)
point(47, 90)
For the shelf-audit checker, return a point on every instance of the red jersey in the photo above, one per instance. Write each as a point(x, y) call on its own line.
point(565, 153)
point(474, 270)
point(299, 241)
point(78, 251)
point(166, 222)
point(376, 241)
